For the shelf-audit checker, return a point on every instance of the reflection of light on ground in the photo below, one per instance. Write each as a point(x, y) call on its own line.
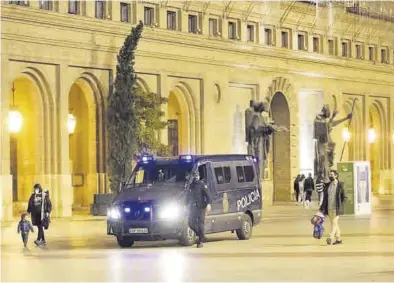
point(115, 267)
point(172, 266)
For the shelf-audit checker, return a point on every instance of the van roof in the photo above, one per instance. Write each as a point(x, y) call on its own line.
point(196, 158)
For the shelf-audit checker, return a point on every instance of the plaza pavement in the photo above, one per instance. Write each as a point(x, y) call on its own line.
point(281, 249)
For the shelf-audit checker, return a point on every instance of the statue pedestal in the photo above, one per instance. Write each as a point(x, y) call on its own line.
point(268, 192)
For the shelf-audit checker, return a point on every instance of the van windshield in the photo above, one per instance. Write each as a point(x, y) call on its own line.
point(145, 174)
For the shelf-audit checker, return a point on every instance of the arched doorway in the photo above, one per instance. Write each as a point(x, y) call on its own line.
point(281, 149)
point(83, 142)
point(375, 138)
point(179, 130)
point(26, 136)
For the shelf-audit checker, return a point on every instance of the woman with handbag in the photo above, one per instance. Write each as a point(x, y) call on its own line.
point(40, 207)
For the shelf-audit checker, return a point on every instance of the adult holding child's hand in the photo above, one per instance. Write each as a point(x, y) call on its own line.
point(40, 208)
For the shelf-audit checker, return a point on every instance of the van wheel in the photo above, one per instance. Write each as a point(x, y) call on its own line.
point(125, 242)
point(245, 232)
point(188, 237)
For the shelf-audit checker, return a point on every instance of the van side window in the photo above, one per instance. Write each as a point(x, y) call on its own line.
point(240, 174)
point(219, 175)
point(202, 170)
point(227, 174)
point(249, 173)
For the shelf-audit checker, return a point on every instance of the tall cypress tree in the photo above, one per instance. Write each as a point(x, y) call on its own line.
point(121, 115)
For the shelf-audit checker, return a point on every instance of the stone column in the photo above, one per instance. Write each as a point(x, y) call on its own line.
point(164, 92)
point(5, 177)
point(391, 140)
point(63, 191)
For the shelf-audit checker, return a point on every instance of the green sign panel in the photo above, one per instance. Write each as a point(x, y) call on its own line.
point(346, 175)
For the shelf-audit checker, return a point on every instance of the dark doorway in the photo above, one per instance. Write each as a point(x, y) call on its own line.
point(281, 149)
point(173, 136)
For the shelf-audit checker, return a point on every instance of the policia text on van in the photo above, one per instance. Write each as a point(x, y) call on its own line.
point(152, 205)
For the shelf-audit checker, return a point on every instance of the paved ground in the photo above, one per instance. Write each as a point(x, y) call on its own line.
point(282, 249)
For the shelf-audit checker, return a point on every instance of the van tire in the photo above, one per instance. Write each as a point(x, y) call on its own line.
point(125, 242)
point(245, 232)
point(188, 237)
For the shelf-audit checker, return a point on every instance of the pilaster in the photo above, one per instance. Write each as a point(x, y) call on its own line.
point(90, 8)
point(225, 28)
point(260, 35)
point(63, 6)
point(115, 11)
point(164, 92)
point(244, 31)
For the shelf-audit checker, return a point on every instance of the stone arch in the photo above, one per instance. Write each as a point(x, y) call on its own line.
point(141, 83)
point(281, 89)
point(356, 143)
point(40, 133)
point(89, 111)
point(382, 135)
point(191, 133)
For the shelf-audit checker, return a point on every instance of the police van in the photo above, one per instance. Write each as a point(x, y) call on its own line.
point(152, 205)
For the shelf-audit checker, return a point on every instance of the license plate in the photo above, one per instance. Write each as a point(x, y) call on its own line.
point(138, 230)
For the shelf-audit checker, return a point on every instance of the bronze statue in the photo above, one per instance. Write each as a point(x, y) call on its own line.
point(325, 146)
point(259, 129)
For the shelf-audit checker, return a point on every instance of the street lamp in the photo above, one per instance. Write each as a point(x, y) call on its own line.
point(15, 118)
point(71, 123)
point(346, 134)
point(371, 135)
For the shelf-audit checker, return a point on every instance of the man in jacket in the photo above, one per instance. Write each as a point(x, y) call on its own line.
point(297, 188)
point(332, 206)
point(199, 200)
point(39, 208)
point(309, 187)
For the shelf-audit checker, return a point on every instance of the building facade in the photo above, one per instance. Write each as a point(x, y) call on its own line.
point(209, 59)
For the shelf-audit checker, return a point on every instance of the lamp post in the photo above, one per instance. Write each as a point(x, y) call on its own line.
point(71, 123)
point(371, 135)
point(15, 118)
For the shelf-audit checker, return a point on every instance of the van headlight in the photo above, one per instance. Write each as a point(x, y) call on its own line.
point(170, 212)
point(113, 213)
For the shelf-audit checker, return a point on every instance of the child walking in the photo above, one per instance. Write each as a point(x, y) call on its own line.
point(24, 227)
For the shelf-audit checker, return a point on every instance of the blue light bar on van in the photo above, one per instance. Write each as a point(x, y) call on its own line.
point(186, 158)
point(253, 158)
point(146, 159)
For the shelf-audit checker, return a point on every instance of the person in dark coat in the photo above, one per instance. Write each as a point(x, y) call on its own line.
point(309, 187)
point(334, 197)
point(199, 200)
point(39, 208)
point(297, 187)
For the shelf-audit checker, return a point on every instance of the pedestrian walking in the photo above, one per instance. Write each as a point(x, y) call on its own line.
point(301, 198)
point(309, 187)
point(319, 188)
point(297, 188)
point(24, 227)
point(333, 206)
point(199, 200)
point(40, 207)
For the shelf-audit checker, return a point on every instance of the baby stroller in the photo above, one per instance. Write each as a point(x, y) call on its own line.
point(317, 222)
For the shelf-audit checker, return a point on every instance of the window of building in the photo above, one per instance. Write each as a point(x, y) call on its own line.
point(125, 12)
point(383, 56)
point(240, 174)
point(173, 133)
point(219, 175)
point(358, 51)
point(301, 42)
point(249, 173)
point(149, 16)
point(331, 48)
point(100, 9)
point(268, 36)
point(227, 174)
point(171, 20)
point(20, 3)
point(213, 27)
point(46, 5)
point(285, 39)
point(345, 50)
point(73, 7)
point(232, 30)
point(316, 44)
point(250, 33)
point(370, 53)
point(193, 24)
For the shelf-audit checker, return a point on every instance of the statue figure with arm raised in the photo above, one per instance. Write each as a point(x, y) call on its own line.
point(325, 146)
